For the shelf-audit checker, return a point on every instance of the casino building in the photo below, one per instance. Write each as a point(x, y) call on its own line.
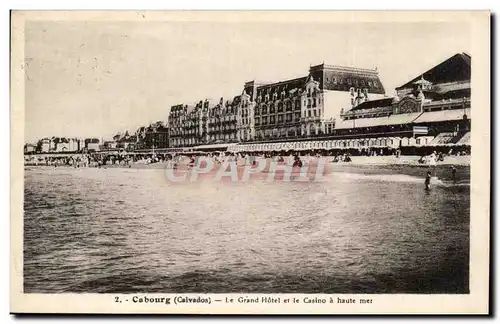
point(431, 110)
point(438, 99)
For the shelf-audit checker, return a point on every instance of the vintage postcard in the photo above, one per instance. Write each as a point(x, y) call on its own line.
point(192, 162)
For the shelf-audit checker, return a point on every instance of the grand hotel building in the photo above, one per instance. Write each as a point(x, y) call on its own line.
point(303, 107)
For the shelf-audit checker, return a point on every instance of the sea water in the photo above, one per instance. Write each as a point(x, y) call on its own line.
point(356, 230)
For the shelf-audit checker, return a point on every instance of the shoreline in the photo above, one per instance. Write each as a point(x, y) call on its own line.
point(407, 160)
point(404, 160)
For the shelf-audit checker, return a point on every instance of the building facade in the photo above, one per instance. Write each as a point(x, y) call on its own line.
point(29, 148)
point(92, 144)
point(59, 144)
point(309, 106)
point(45, 145)
point(302, 107)
point(437, 102)
point(204, 123)
point(156, 136)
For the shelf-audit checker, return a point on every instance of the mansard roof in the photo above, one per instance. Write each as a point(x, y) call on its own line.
point(342, 78)
point(455, 68)
point(286, 85)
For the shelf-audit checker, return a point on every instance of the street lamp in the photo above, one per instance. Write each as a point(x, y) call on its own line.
point(465, 113)
point(154, 136)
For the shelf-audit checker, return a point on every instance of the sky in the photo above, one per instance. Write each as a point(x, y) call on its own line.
point(97, 78)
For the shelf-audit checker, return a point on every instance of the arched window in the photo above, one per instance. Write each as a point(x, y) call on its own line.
point(272, 109)
point(288, 106)
point(264, 110)
point(280, 107)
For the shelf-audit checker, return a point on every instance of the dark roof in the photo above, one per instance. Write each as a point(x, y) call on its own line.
point(343, 81)
point(374, 104)
point(456, 68)
point(342, 78)
point(278, 86)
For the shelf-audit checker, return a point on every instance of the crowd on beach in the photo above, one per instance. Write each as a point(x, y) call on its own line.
point(299, 157)
point(189, 159)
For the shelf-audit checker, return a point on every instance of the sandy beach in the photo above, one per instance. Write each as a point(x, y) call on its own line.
point(406, 160)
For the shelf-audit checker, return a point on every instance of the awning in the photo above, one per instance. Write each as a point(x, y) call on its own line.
point(442, 138)
point(443, 115)
point(377, 121)
point(465, 140)
point(211, 146)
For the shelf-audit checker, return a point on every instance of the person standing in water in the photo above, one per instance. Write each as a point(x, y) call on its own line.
point(454, 174)
point(428, 181)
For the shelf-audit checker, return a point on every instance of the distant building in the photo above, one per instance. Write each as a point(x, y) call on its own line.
point(45, 145)
point(156, 136)
point(128, 142)
point(110, 145)
point(62, 147)
point(53, 143)
point(92, 144)
point(73, 145)
point(29, 148)
point(59, 144)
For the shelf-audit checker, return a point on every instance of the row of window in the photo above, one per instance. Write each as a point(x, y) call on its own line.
point(280, 119)
point(245, 121)
point(314, 102)
point(311, 102)
point(263, 110)
point(312, 113)
point(272, 119)
point(244, 113)
point(356, 82)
